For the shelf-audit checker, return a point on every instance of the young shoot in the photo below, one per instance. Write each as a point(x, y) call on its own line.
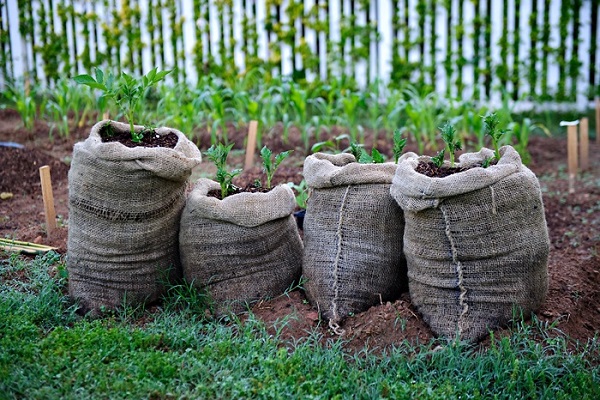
point(450, 137)
point(374, 158)
point(363, 157)
point(491, 122)
point(270, 165)
point(399, 144)
point(126, 91)
point(438, 160)
point(356, 150)
point(218, 155)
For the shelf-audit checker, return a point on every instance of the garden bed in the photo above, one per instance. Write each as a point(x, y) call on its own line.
point(573, 220)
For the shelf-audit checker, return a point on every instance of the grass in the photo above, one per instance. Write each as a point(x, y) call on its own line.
point(47, 351)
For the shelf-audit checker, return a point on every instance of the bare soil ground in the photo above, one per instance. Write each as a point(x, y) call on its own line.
point(573, 301)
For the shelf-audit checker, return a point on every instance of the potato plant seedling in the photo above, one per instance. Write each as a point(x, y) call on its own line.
point(218, 155)
point(126, 91)
point(270, 165)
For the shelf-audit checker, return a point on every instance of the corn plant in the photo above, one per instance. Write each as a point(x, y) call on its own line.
point(394, 109)
point(180, 108)
point(126, 91)
point(331, 145)
point(423, 117)
point(218, 155)
point(270, 165)
point(217, 106)
point(452, 141)
point(64, 102)
point(59, 105)
point(24, 102)
point(522, 131)
point(350, 106)
point(299, 101)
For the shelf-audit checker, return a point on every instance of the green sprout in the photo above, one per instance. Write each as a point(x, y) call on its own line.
point(374, 158)
point(399, 144)
point(126, 91)
point(356, 150)
point(438, 160)
point(450, 137)
point(218, 154)
point(491, 122)
point(270, 165)
point(363, 157)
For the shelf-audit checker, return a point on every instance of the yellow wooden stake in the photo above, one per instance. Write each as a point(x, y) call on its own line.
point(584, 148)
point(251, 145)
point(48, 199)
point(572, 156)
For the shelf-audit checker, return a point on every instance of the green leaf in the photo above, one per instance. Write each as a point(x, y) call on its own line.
point(265, 154)
point(89, 81)
point(356, 150)
point(438, 160)
point(365, 158)
point(99, 76)
point(282, 156)
point(377, 157)
point(399, 144)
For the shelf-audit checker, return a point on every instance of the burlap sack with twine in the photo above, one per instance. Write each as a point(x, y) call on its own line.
point(124, 210)
point(241, 249)
point(352, 236)
point(476, 242)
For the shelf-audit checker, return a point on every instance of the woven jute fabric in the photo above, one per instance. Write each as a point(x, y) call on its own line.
point(241, 249)
point(124, 210)
point(476, 243)
point(353, 231)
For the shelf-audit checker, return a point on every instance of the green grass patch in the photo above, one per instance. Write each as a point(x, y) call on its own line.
point(47, 351)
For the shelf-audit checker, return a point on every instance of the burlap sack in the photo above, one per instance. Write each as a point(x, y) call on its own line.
point(353, 230)
point(476, 242)
point(240, 249)
point(124, 209)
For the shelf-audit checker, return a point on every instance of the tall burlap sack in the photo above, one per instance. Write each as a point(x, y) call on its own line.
point(476, 242)
point(124, 209)
point(241, 249)
point(353, 231)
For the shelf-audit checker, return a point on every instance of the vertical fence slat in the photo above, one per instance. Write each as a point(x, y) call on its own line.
point(115, 37)
point(533, 49)
point(593, 49)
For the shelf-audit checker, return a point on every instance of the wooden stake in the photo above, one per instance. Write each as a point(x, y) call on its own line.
point(251, 145)
point(48, 199)
point(597, 120)
point(572, 156)
point(584, 150)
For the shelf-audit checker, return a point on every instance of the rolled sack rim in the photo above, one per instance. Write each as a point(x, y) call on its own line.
point(244, 209)
point(322, 170)
point(427, 192)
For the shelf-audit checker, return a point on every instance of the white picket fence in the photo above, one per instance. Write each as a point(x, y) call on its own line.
point(380, 60)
